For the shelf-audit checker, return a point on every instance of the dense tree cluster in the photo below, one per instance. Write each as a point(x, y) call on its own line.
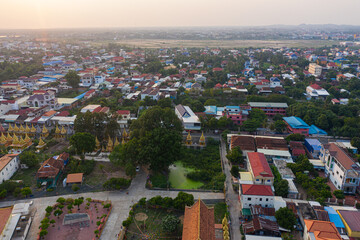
point(155, 140)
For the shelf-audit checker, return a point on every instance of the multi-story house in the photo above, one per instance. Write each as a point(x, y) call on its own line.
point(253, 194)
point(315, 69)
point(87, 80)
point(9, 164)
point(341, 169)
point(238, 114)
point(259, 168)
point(43, 98)
point(270, 109)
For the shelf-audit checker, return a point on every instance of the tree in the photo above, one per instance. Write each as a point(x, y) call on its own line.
point(29, 158)
point(75, 187)
point(286, 218)
point(83, 142)
point(182, 200)
point(155, 140)
point(278, 117)
point(61, 200)
point(130, 170)
point(235, 156)
point(355, 142)
point(73, 79)
point(210, 102)
point(78, 202)
point(165, 103)
point(251, 125)
point(295, 137)
point(58, 212)
point(170, 223)
point(43, 233)
point(235, 171)
point(26, 191)
point(339, 194)
point(322, 122)
point(282, 188)
point(280, 126)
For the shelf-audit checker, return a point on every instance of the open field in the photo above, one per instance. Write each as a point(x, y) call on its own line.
point(160, 43)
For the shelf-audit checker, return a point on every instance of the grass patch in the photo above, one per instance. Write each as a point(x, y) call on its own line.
point(159, 180)
point(220, 209)
point(27, 176)
point(151, 228)
point(103, 171)
point(179, 180)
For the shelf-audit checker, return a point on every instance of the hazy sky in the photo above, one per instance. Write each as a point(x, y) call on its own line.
point(143, 13)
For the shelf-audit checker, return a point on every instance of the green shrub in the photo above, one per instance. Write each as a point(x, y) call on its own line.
point(159, 180)
point(127, 222)
point(116, 183)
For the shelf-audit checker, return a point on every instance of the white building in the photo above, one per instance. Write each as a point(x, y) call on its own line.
point(254, 194)
point(188, 118)
point(9, 164)
point(315, 69)
point(87, 80)
point(317, 92)
point(341, 169)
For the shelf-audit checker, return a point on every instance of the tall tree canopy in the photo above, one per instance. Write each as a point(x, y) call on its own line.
point(83, 142)
point(155, 140)
point(73, 79)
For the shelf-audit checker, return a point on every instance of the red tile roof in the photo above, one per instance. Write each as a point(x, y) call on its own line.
point(340, 155)
point(123, 112)
point(255, 189)
point(259, 164)
point(199, 222)
point(322, 230)
point(315, 86)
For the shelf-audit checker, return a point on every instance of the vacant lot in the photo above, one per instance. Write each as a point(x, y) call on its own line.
point(159, 43)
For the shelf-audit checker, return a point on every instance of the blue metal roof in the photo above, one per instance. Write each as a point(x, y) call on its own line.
point(80, 96)
point(211, 110)
point(334, 217)
point(316, 131)
point(296, 122)
point(233, 107)
point(314, 143)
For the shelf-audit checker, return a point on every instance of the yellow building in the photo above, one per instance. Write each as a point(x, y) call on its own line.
point(351, 220)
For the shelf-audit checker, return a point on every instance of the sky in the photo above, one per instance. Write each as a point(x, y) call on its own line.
point(37, 14)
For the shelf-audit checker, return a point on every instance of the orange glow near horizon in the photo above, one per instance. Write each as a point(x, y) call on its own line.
point(28, 14)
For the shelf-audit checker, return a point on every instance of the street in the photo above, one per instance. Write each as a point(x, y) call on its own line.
point(231, 196)
point(121, 204)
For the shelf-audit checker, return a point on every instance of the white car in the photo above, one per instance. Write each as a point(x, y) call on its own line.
point(138, 169)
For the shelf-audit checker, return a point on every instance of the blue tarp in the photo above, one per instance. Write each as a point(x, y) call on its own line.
point(334, 217)
point(314, 130)
point(314, 143)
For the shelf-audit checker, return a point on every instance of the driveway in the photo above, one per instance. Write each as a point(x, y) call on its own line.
point(232, 198)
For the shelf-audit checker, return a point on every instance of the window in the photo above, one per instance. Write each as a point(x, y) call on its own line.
point(267, 199)
point(335, 182)
point(337, 172)
point(341, 176)
point(260, 199)
point(249, 199)
point(268, 180)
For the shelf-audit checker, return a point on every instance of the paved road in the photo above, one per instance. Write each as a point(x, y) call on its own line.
point(231, 196)
point(121, 204)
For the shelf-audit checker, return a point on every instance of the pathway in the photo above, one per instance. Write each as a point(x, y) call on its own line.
point(121, 200)
point(231, 196)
